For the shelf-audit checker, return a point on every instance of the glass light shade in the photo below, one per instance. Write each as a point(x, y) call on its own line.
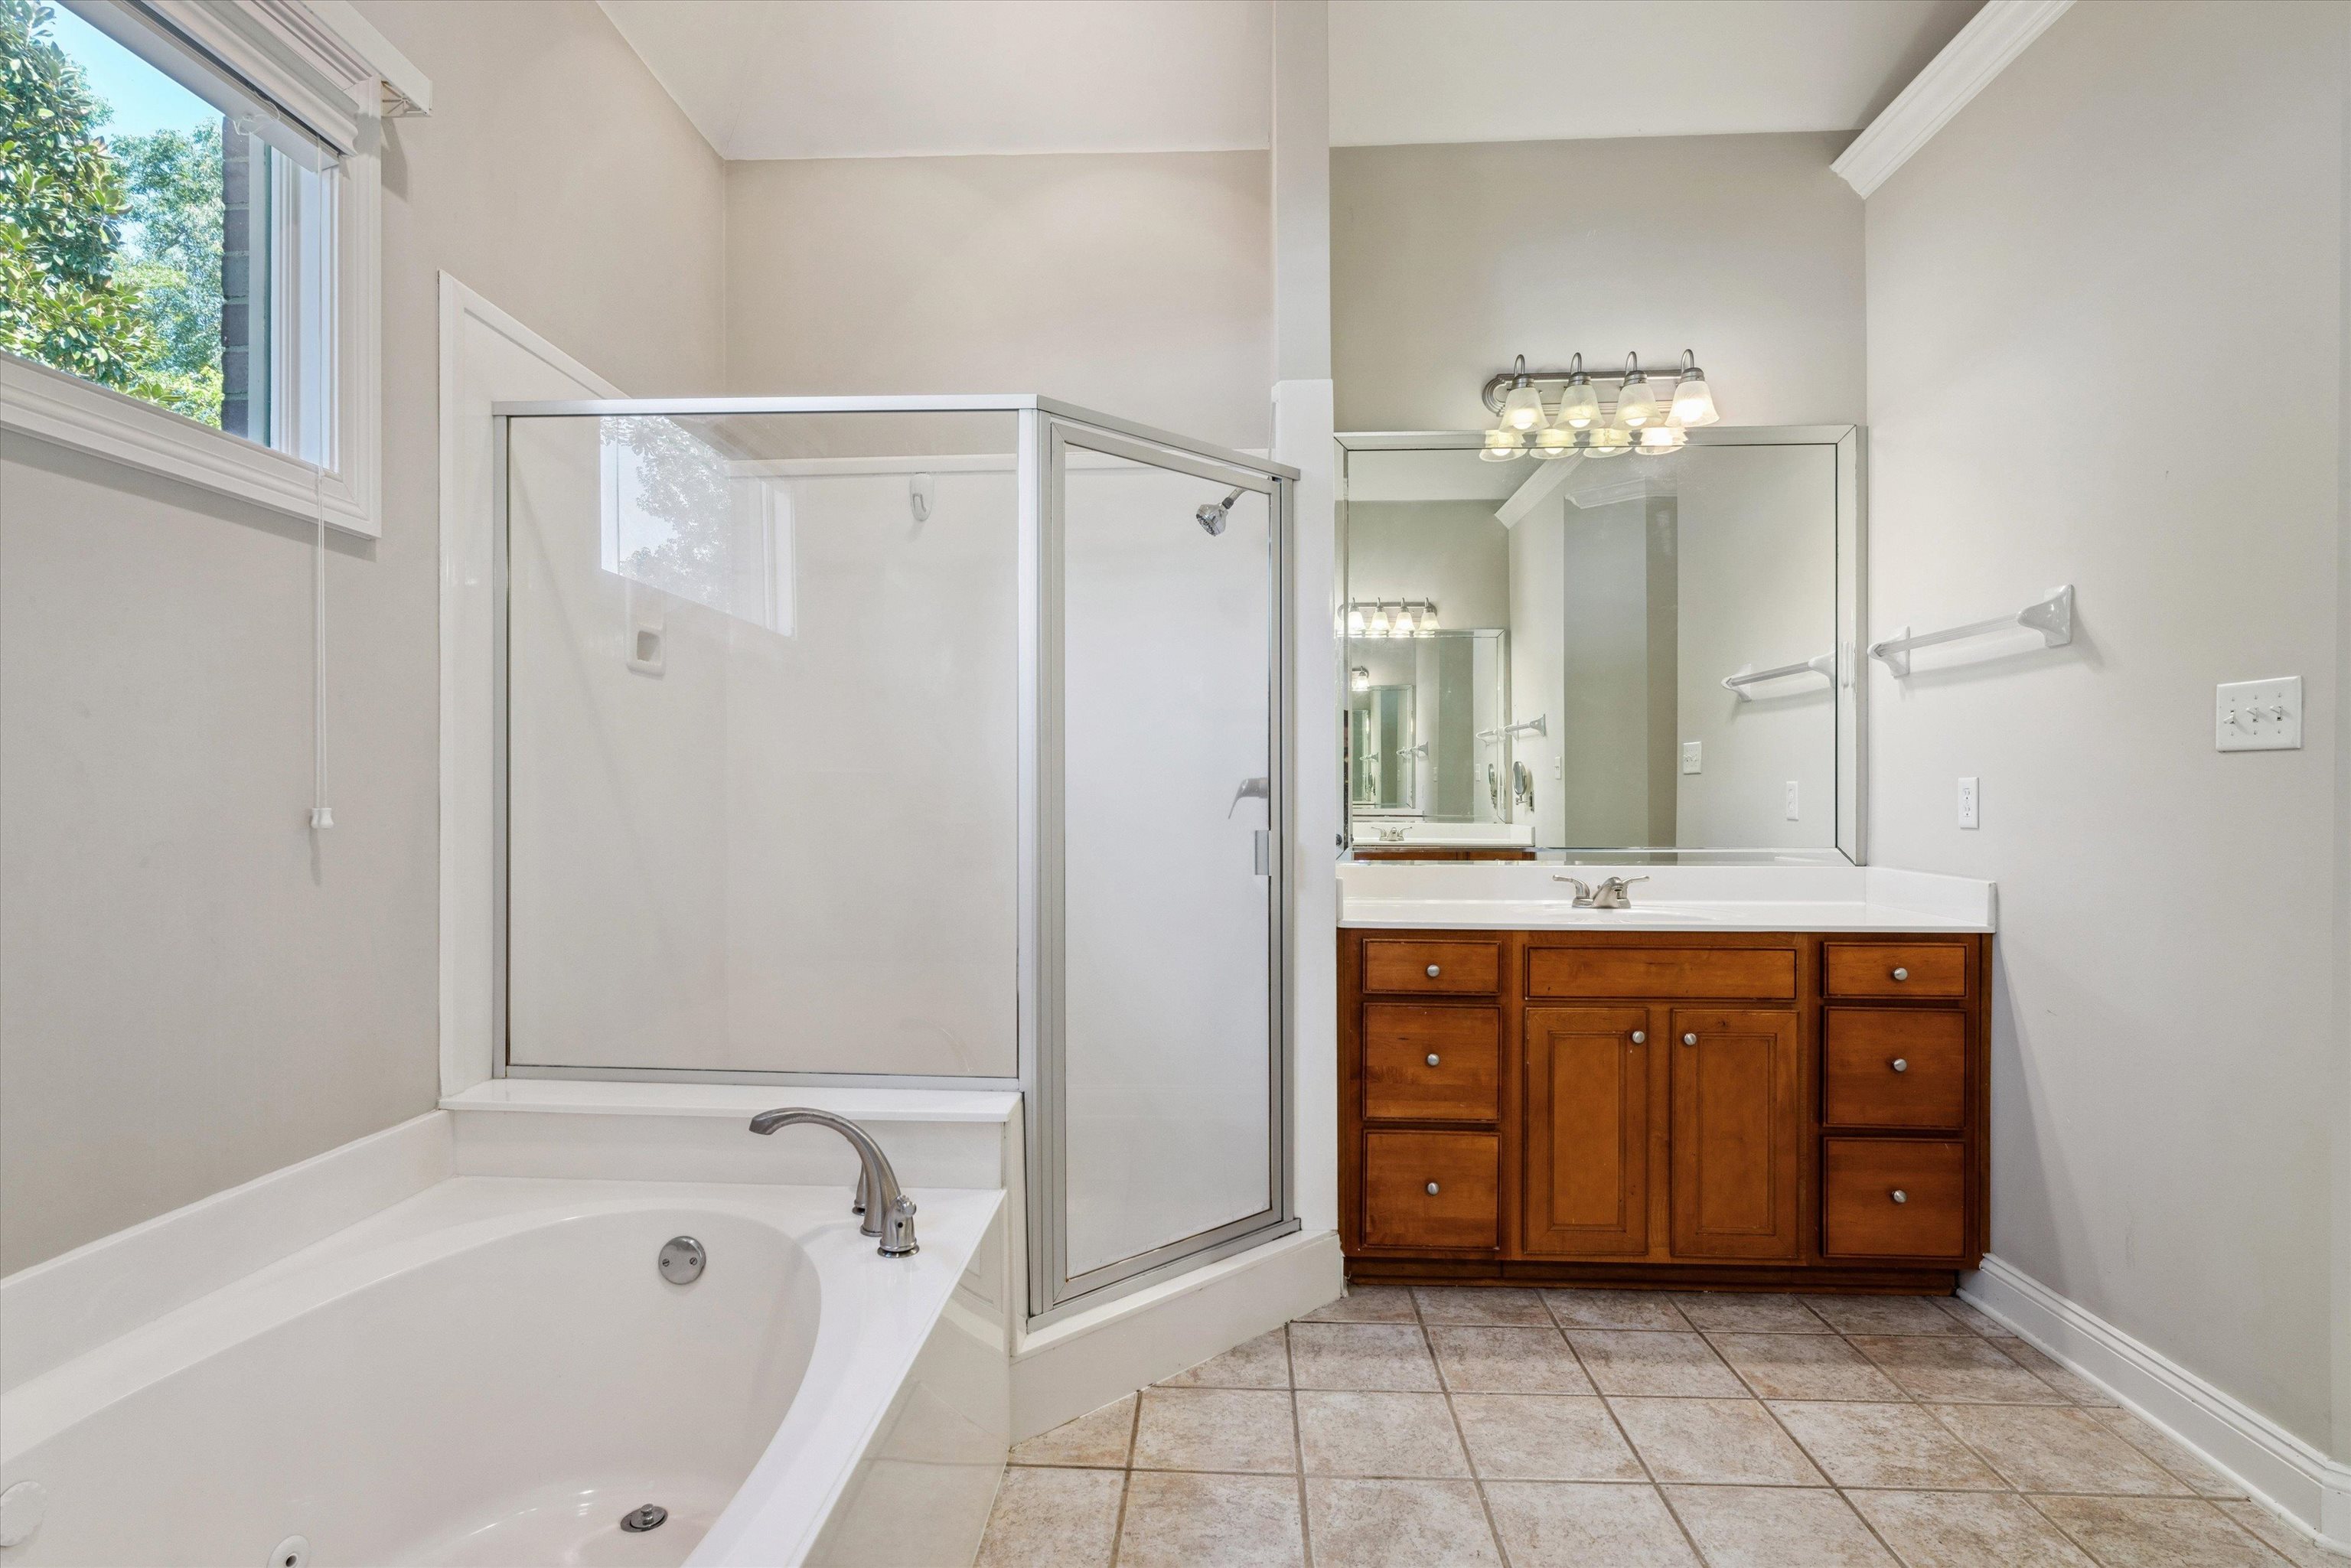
point(1523, 409)
point(1402, 626)
point(1354, 621)
point(1556, 442)
point(1579, 405)
point(1429, 618)
point(1693, 401)
point(1360, 678)
point(1503, 445)
point(1608, 441)
point(1636, 406)
point(1380, 620)
point(1660, 439)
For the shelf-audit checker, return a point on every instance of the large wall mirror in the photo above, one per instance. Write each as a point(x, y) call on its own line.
point(1632, 657)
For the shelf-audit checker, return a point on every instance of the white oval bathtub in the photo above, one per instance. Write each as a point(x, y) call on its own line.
point(494, 1372)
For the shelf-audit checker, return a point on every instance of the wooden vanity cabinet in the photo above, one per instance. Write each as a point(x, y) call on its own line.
point(1775, 1110)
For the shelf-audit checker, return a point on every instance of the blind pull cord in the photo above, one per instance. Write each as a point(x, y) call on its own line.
point(323, 816)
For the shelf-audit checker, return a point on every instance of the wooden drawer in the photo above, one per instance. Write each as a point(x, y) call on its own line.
point(1440, 968)
point(1400, 1212)
point(1863, 1219)
point(1897, 968)
point(1438, 1064)
point(1762, 974)
point(1895, 1067)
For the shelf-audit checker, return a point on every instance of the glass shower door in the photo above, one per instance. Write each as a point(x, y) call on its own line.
point(1161, 1071)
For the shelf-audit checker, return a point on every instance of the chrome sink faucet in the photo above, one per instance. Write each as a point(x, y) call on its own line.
point(1614, 893)
point(887, 1212)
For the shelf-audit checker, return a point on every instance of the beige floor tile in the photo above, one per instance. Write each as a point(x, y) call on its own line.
point(1625, 1360)
point(1776, 1526)
point(1730, 1442)
point(1507, 1361)
point(2201, 1478)
point(1475, 1304)
point(1803, 1367)
point(1367, 1304)
point(1260, 1363)
point(1885, 1314)
point(1215, 1429)
point(1970, 1317)
point(1360, 1355)
point(1961, 1529)
point(1098, 1438)
point(2283, 1538)
point(2042, 1448)
point(1398, 1524)
point(1748, 1311)
point(1614, 1309)
point(2156, 1532)
point(1550, 1524)
point(1884, 1445)
point(2076, 1388)
point(1955, 1370)
point(1211, 1521)
point(1355, 1434)
point(1544, 1437)
point(1052, 1518)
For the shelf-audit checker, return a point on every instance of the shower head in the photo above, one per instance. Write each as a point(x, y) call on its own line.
point(1217, 514)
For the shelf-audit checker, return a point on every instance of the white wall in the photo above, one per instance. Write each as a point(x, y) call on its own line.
point(1448, 260)
point(1452, 552)
point(2147, 207)
point(1139, 284)
point(193, 993)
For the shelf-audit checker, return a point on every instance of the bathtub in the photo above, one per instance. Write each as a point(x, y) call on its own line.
point(494, 1372)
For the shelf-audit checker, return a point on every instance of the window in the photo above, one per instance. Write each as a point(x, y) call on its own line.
point(678, 516)
point(187, 242)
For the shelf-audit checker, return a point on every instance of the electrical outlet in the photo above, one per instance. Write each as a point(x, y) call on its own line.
point(1793, 814)
point(2258, 715)
point(1968, 792)
point(1559, 767)
point(1690, 755)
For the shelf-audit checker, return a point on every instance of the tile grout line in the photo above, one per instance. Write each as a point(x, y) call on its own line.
point(1126, 1480)
point(1445, 1392)
point(1625, 1437)
point(1297, 1450)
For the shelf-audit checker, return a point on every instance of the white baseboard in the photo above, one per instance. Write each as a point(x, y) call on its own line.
point(2271, 1463)
point(1084, 1363)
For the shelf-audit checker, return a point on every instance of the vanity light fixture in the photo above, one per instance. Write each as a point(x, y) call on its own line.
point(1359, 679)
point(1355, 622)
point(1373, 618)
point(1379, 621)
point(1584, 424)
point(1402, 626)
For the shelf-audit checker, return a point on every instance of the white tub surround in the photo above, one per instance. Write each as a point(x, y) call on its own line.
point(1516, 896)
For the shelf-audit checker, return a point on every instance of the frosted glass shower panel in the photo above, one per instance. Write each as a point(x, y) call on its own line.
point(763, 693)
point(1167, 764)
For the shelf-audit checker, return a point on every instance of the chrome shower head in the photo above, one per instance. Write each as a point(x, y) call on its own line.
point(1217, 514)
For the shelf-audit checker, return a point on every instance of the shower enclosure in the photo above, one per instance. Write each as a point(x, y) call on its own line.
point(938, 741)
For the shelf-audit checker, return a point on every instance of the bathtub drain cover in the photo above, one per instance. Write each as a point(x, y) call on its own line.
point(637, 1520)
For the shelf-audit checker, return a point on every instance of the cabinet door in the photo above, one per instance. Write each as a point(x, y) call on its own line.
point(1737, 1128)
point(1587, 1161)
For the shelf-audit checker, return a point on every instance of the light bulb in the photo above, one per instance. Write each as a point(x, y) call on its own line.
point(1523, 409)
point(1693, 401)
point(1354, 621)
point(1380, 620)
point(1608, 441)
point(1503, 445)
point(1636, 406)
point(1427, 618)
point(1579, 405)
point(1659, 440)
point(1555, 442)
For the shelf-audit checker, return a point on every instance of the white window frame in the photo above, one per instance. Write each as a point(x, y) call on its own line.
point(320, 62)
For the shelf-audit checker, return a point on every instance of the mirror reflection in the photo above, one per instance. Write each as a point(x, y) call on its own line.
point(1642, 655)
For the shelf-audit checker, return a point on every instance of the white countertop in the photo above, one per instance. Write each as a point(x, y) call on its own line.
point(1520, 896)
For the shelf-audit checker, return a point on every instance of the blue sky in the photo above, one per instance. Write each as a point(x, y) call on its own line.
point(143, 99)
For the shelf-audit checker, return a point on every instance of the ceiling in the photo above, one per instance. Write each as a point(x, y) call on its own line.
point(880, 79)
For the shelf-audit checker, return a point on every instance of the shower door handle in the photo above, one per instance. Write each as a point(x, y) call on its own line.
point(1263, 840)
point(1260, 788)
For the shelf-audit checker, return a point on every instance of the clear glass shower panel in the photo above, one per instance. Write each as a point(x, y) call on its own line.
point(763, 742)
point(1168, 1046)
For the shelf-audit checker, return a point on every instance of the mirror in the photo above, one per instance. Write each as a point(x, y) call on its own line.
point(1633, 657)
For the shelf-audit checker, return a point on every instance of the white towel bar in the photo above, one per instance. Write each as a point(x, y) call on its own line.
point(2052, 616)
point(1826, 664)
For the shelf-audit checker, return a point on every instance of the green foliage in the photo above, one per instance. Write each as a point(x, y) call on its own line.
point(126, 310)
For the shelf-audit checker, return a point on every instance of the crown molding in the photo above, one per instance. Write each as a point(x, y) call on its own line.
point(1982, 50)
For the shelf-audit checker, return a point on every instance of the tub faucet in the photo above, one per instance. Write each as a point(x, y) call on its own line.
point(887, 1212)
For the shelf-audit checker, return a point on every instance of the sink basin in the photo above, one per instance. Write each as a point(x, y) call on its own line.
point(1505, 914)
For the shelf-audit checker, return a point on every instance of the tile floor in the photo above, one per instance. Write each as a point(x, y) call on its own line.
point(1441, 1427)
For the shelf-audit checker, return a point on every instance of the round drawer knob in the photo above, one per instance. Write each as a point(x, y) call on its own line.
point(1432, 1189)
point(1434, 971)
point(1900, 1065)
point(1432, 1059)
point(1898, 1194)
point(1901, 974)
point(1640, 1036)
point(1690, 1039)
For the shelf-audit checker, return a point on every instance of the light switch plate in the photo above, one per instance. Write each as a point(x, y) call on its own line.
point(1793, 812)
point(1690, 755)
point(1970, 793)
point(2258, 715)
